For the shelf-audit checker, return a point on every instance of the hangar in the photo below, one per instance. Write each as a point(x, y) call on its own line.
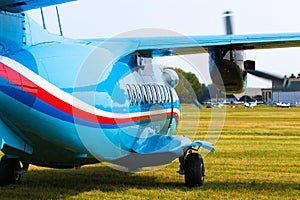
point(289, 94)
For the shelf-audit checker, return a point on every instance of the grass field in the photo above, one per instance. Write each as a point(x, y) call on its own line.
point(257, 157)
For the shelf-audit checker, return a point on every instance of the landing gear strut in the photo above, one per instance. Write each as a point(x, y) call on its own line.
point(11, 171)
point(192, 167)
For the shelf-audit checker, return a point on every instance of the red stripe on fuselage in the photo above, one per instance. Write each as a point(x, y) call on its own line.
point(27, 85)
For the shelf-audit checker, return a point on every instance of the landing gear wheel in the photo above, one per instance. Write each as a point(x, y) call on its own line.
point(9, 171)
point(194, 170)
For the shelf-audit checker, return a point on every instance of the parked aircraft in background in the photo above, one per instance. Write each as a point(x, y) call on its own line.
point(283, 105)
point(215, 105)
point(65, 103)
point(250, 104)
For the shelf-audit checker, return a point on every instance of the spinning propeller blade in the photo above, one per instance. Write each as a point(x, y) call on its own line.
point(285, 81)
point(228, 22)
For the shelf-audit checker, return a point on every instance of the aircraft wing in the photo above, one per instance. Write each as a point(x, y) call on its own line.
point(17, 6)
point(180, 45)
point(200, 44)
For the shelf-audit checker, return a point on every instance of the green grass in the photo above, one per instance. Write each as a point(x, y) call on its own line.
point(257, 157)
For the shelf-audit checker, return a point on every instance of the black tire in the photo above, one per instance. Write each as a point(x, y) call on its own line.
point(8, 171)
point(194, 170)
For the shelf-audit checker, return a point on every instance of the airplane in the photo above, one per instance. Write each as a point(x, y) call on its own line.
point(283, 105)
point(66, 103)
point(250, 104)
point(215, 105)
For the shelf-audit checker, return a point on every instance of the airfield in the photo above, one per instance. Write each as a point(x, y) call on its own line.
point(257, 157)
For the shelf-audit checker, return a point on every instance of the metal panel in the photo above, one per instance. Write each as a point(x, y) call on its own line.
point(286, 97)
point(12, 32)
point(9, 138)
point(17, 6)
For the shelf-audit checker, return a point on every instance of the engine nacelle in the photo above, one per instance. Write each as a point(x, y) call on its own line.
point(227, 70)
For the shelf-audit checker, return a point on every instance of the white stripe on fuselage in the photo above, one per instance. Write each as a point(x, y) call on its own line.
point(68, 98)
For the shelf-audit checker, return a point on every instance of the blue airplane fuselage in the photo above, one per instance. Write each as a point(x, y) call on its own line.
point(66, 102)
point(121, 100)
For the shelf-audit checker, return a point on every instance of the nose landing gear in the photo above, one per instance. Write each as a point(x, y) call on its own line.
point(194, 171)
point(11, 171)
point(192, 167)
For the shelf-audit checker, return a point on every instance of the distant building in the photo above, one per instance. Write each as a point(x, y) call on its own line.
point(289, 93)
point(267, 95)
point(230, 99)
point(216, 96)
point(245, 98)
point(250, 92)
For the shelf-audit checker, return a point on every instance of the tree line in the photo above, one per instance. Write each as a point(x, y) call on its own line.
point(189, 88)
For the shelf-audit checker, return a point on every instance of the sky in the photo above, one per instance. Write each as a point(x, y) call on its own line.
point(106, 19)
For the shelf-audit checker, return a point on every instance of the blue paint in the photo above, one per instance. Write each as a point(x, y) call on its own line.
point(20, 6)
point(97, 72)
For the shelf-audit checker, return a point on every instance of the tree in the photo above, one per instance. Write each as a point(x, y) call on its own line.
point(189, 87)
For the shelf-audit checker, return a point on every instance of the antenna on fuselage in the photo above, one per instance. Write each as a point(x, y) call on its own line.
point(58, 19)
point(43, 18)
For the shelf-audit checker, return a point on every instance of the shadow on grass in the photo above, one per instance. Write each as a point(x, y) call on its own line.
point(55, 184)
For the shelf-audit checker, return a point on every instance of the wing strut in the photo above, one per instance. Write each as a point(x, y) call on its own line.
point(59, 23)
point(43, 19)
point(58, 20)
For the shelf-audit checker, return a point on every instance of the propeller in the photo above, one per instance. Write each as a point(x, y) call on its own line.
point(228, 22)
point(249, 65)
point(229, 30)
point(283, 81)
